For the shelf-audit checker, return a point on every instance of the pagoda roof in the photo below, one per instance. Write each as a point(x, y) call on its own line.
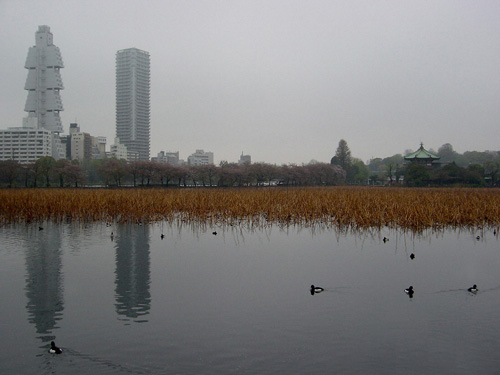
point(421, 153)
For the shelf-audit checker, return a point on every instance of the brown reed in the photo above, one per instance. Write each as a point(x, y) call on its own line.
point(341, 207)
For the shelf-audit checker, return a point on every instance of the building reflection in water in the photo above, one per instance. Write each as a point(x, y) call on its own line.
point(44, 284)
point(133, 298)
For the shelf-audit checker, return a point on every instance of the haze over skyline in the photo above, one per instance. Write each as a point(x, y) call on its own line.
point(280, 80)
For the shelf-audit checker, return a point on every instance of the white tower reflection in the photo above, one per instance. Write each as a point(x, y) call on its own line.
point(44, 284)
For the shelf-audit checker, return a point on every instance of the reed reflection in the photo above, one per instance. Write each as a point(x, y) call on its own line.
point(44, 288)
point(133, 298)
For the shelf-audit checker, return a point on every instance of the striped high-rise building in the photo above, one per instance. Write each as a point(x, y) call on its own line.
point(132, 101)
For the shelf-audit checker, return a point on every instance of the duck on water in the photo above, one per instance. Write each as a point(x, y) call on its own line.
point(410, 291)
point(316, 289)
point(473, 289)
point(54, 349)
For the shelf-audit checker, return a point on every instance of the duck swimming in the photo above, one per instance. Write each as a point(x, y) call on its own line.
point(54, 349)
point(409, 291)
point(316, 289)
point(473, 289)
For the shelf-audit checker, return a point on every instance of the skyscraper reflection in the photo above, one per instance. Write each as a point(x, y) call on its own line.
point(133, 298)
point(44, 288)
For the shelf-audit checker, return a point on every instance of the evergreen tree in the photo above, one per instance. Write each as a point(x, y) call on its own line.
point(342, 155)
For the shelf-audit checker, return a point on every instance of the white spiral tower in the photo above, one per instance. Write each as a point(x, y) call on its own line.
point(44, 82)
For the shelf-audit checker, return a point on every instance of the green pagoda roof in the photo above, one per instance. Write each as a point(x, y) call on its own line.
point(421, 154)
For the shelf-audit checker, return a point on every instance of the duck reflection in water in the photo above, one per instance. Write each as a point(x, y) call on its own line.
point(315, 289)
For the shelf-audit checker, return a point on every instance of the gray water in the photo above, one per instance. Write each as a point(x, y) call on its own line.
point(239, 302)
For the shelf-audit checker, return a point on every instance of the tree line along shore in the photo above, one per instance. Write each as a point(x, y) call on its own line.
point(472, 169)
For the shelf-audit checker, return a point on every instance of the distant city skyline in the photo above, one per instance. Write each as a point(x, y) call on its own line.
point(282, 80)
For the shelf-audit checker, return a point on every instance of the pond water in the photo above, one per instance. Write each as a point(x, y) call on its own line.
point(122, 299)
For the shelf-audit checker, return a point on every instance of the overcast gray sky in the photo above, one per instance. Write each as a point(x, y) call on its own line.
point(281, 80)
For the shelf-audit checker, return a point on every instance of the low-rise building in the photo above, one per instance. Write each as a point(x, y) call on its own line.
point(28, 144)
point(245, 159)
point(81, 147)
point(201, 157)
point(422, 156)
point(98, 147)
point(167, 157)
point(118, 150)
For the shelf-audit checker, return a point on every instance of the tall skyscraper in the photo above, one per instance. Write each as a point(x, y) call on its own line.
point(39, 135)
point(132, 101)
point(44, 82)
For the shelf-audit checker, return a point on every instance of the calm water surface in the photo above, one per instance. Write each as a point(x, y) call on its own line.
point(239, 302)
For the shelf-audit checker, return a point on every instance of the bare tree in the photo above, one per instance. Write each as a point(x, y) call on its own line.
point(75, 174)
point(113, 169)
point(167, 172)
point(60, 170)
point(134, 168)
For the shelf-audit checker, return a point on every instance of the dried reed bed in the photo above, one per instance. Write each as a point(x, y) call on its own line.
point(341, 207)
